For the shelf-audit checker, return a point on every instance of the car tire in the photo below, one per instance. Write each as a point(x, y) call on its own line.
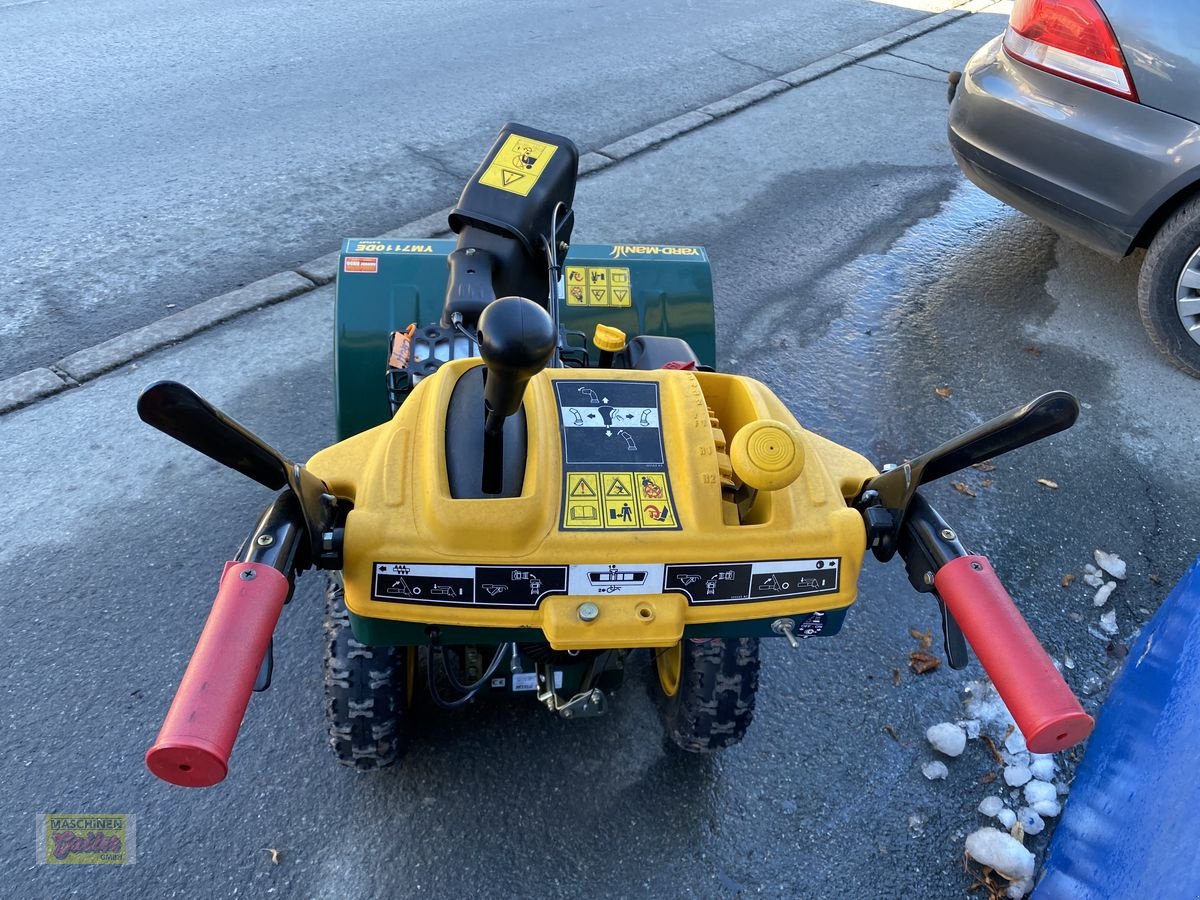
point(1174, 248)
point(367, 696)
point(705, 691)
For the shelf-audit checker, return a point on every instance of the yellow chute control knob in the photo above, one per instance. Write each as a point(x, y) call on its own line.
point(767, 455)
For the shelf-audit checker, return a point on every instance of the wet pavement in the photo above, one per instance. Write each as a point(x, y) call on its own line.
point(856, 273)
point(156, 157)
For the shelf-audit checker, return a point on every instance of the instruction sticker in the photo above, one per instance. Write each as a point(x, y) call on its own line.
point(525, 587)
point(598, 286)
point(518, 165)
point(614, 465)
point(451, 585)
point(747, 582)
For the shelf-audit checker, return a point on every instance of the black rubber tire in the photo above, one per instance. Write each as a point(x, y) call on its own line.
point(1169, 252)
point(715, 702)
point(366, 692)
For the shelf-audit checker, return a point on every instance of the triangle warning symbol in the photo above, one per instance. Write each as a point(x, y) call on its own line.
point(508, 176)
point(582, 489)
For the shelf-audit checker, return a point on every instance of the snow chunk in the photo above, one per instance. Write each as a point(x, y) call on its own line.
point(1015, 776)
point(1019, 889)
point(934, 770)
point(1093, 579)
point(1001, 852)
point(947, 738)
point(1111, 563)
point(984, 703)
point(991, 806)
point(1039, 790)
point(1042, 769)
point(1030, 821)
point(1047, 808)
point(1015, 742)
point(971, 727)
point(1108, 622)
point(1007, 818)
point(1104, 593)
point(1015, 759)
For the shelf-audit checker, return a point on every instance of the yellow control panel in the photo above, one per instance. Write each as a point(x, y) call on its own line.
point(626, 501)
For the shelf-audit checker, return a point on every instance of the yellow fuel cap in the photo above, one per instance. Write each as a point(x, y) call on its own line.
point(609, 339)
point(767, 455)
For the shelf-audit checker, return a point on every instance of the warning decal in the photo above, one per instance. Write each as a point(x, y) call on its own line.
point(581, 508)
point(518, 165)
point(598, 286)
point(624, 500)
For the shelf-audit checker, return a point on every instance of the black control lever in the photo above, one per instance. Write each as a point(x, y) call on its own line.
point(885, 498)
point(926, 544)
point(516, 340)
point(178, 411)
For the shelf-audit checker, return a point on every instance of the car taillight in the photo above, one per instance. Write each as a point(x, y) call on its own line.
point(1071, 38)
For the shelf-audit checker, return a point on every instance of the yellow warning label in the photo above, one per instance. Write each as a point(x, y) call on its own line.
point(576, 279)
point(654, 500)
point(618, 485)
point(618, 500)
point(582, 514)
point(657, 515)
point(619, 287)
point(620, 503)
point(651, 485)
point(583, 484)
point(598, 286)
point(518, 165)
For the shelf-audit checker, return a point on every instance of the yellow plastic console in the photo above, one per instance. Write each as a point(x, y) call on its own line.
point(621, 534)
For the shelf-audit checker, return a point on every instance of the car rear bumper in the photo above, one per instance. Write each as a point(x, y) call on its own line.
point(1092, 166)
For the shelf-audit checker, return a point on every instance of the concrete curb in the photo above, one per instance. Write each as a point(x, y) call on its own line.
point(28, 387)
point(87, 364)
point(33, 385)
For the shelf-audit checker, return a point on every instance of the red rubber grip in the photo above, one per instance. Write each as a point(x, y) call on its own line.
point(1044, 708)
point(197, 736)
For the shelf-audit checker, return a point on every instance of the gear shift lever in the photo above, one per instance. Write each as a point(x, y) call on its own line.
point(516, 341)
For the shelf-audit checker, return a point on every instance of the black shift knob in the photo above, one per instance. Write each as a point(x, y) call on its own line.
point(516, 341)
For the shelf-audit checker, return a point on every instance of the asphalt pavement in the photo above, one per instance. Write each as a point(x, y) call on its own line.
point(856, 273)
point(153, 157)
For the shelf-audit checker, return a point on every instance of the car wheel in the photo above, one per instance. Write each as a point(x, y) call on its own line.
point(1169, 289)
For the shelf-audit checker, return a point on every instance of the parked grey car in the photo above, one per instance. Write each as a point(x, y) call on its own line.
point(1084, 114)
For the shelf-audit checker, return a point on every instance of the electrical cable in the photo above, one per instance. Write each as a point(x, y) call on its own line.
point(469, 690)
point(555, 271)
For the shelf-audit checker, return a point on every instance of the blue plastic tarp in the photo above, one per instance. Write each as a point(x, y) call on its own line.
point(1131, 826)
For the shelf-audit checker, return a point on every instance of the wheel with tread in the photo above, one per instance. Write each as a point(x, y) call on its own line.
point(705, 691)
point(367, 696)
point(1169, 304)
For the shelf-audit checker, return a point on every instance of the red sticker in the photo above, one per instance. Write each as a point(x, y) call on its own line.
point(365, 264)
